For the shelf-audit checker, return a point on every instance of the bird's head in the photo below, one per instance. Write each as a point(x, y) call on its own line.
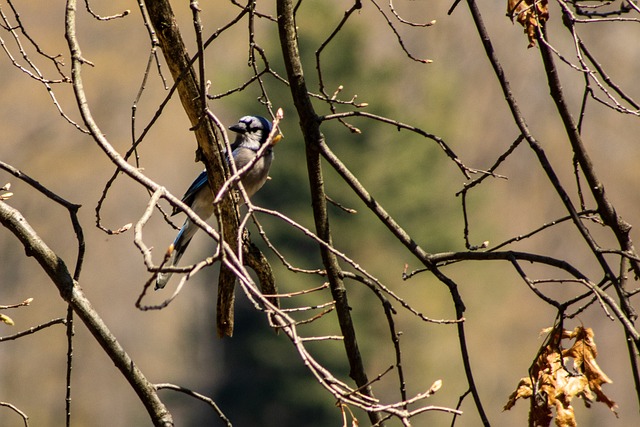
point(253, 131)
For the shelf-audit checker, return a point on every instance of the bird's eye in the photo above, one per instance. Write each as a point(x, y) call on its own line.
point(250, 126)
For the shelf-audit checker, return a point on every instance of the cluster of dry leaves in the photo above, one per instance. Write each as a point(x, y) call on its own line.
point(530, 14)
point(557, 376)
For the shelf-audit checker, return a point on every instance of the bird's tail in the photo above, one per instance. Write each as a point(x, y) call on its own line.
point(177, 250)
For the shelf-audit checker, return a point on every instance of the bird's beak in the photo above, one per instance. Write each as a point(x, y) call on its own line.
point(238, 128)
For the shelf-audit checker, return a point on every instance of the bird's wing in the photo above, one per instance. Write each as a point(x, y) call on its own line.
point(193, 189)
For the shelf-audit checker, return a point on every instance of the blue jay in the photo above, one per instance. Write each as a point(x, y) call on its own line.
point(252, 132)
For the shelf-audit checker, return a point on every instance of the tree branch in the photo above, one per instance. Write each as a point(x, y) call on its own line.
point(57, 271)
point(209, 145)
point(310, 126)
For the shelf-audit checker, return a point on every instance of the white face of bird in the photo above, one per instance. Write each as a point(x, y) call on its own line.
point(253, 128)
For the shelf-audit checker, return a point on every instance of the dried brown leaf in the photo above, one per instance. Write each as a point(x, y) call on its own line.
point(522, 392)
point(530, 14)
point(584, 353)
point(554, 386)
point(565, 417)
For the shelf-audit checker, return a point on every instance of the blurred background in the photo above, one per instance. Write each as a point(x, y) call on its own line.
point(256, 377)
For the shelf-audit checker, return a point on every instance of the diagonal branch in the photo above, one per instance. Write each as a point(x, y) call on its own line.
point(313, 138)
point(621, 229)
point(57, 270)
point(209, 145)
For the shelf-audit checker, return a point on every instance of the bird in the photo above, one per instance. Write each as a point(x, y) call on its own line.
point(251, 133)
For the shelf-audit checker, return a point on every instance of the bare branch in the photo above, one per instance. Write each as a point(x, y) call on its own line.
point(71, 293)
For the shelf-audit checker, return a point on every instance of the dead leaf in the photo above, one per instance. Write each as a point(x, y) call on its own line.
point(522, 392)
point(530, 14)
point(554, 387)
